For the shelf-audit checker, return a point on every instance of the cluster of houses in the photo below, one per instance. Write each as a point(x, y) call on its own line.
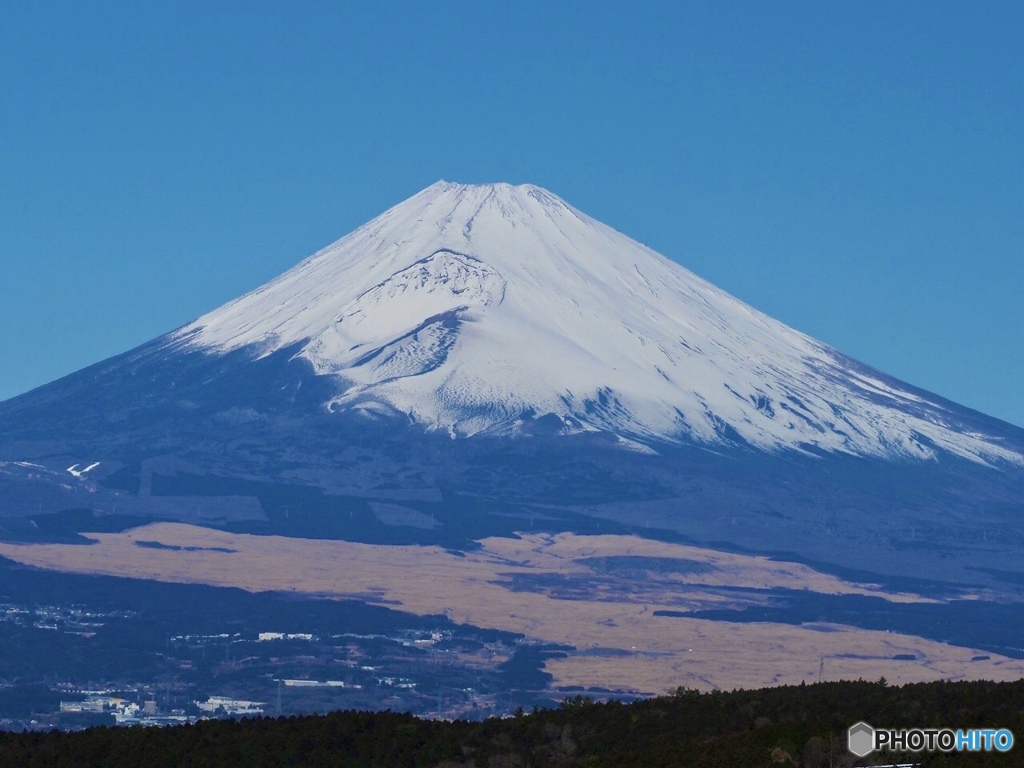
point(127, 712)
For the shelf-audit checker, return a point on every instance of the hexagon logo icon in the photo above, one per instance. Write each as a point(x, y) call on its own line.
point(861, 739)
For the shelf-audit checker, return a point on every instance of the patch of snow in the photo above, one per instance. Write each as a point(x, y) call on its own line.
point(73, 469)
point(633, 445)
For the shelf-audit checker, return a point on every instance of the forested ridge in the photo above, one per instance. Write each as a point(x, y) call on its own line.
point(802, 726)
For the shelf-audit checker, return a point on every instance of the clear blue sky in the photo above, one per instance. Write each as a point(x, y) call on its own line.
point(854, 169)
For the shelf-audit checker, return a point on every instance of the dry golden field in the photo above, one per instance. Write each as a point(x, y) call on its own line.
point(553, 588)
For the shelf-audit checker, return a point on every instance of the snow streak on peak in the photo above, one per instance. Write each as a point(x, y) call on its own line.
point(479, 308)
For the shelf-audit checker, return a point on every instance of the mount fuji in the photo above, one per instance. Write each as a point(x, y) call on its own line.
point(476, 309)
point(496, 353)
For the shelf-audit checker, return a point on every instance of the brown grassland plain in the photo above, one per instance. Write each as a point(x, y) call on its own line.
point(552, 588)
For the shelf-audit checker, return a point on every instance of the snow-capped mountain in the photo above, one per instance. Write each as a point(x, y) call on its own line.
point(484, 362)
point(588, 382)
point(476, 309)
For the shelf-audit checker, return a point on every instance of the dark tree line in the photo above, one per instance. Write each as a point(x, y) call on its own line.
point(801, 726)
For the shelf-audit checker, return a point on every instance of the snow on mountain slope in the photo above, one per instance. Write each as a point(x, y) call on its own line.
point(474, 308)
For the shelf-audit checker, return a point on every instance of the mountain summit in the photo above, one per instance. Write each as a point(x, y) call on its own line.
point(484, 308)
